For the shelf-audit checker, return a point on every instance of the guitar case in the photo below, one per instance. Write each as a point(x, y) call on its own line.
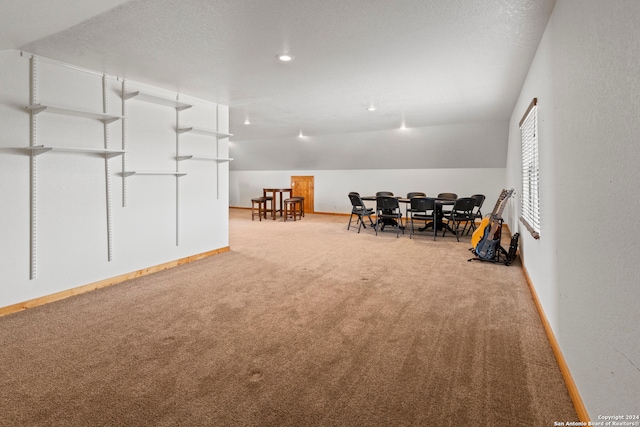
point(513, 249)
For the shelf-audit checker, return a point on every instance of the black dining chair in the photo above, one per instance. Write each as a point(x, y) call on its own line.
point(462, 211)
point(447, 196)
point(389, 213)
point(416, 194)
point(384, 193)
point(477, 213)
point(423, 209)
point(360, 211)
point(409, 197)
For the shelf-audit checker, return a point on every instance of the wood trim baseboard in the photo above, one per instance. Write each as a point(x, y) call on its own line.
point(106, 282)
point(578, 404)
point(334, 213)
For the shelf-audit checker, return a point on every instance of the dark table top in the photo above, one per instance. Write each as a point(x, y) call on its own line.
point(405, 200)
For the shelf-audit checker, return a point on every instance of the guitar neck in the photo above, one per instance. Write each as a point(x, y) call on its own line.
point(501, 197)
point(500, 204)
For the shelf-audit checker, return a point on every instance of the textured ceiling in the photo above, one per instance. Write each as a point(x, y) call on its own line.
point(421, 62)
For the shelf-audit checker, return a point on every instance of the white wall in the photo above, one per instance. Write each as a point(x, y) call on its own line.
point(465, 158)
point(71, 197)
point(586, 76)
point(333, 186)
point(456, 146)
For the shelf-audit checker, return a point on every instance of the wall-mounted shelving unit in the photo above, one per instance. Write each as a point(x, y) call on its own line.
point(197, 157)
point(167, 102)
point(35, 150)
point(39, 108)
point(154, 99)
point(203, 131)
point(130, 173)
point(217, 135)
point(40, 149)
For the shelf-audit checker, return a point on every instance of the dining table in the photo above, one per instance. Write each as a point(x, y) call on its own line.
point(439, 225)
point(391, 221)
point(273, 192)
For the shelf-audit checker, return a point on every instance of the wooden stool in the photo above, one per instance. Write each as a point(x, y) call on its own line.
point(301, 204)
point(269, 208)
point(292, 208)
point(262, 207)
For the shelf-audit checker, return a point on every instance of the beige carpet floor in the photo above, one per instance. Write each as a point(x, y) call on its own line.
point(302, 323)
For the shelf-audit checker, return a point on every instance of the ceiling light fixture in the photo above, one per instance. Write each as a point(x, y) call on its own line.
point(247, 122)
point(285, 57)
point(371, 108)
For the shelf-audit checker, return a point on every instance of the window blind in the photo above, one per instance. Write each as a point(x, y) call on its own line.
point(530, 195)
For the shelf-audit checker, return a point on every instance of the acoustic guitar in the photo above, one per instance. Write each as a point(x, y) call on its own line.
point(486, 239)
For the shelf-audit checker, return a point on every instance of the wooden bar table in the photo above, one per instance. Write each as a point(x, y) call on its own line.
point(273, 192)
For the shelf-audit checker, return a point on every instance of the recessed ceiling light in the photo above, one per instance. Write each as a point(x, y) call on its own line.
point(285, 57)
point(247, 122)
point(371, 108)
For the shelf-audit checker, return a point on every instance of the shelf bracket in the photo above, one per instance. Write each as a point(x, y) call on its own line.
point(124, 144)
point(178, 171)
point(217, 153)
point(107, 169)
point(33, 166)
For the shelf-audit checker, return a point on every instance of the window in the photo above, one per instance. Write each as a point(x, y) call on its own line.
point(530, 196)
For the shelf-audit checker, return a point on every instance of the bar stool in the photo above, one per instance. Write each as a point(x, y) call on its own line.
point(301, 204)
point(262, 207)
point(292, 208)
point(269, 208)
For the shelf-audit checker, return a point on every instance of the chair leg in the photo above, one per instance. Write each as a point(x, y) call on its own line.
point(457, 224)
point(472, 225)
point(362, 215)
point(435, 225)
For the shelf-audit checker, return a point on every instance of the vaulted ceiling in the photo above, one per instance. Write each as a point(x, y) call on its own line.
point(418, 62)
